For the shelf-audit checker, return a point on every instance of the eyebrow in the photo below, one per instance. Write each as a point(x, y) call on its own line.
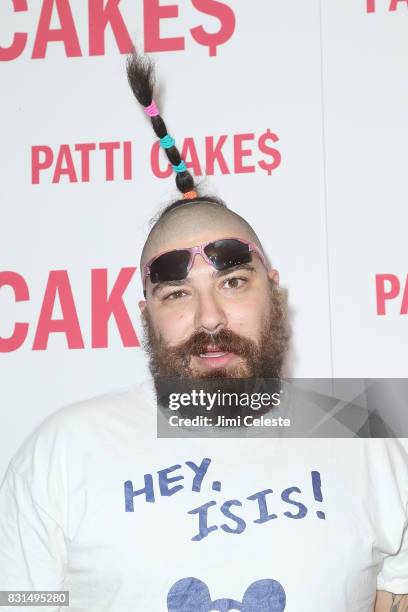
point(215, 274)
point(221, 273)
point(171, 283)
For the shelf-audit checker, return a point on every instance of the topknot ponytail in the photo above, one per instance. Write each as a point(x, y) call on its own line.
point(141, 77)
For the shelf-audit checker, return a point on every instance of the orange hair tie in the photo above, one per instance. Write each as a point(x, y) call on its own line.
point(189, 195)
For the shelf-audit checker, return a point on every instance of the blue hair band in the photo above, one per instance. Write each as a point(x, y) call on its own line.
point(181, 167)
point(167, 141)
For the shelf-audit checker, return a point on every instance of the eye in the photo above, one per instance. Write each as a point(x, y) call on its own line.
point(234, 282)
point(175, 295)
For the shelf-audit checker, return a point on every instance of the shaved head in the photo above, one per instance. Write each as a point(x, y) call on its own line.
point(212, 323)
point(193, 223)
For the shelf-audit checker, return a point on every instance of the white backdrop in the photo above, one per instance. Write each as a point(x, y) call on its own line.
point(326, 192)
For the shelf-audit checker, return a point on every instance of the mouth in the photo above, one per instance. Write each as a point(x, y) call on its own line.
point(214, 358)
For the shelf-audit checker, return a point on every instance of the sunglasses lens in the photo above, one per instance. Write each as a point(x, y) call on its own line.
point(228, 253)
point(170, 266)
point(222, 254)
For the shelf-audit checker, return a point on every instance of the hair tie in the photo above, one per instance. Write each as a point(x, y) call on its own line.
point(189, 195)
point(152, 109)
point(181, 167)
point(167, 141)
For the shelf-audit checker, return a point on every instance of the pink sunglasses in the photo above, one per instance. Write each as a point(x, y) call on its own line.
point(221, 254)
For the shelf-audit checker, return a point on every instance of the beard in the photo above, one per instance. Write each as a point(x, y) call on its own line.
point(260, 364)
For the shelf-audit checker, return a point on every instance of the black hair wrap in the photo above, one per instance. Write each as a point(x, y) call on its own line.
point(141, 77)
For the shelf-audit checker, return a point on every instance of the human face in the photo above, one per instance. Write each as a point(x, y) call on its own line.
point(208, 301)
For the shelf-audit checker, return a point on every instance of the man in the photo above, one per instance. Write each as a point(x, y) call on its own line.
point(96, 504)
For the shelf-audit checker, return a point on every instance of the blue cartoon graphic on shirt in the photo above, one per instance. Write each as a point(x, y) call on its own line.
point(193, 595)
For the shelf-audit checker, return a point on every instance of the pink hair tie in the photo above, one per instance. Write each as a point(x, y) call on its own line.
point(152, 109)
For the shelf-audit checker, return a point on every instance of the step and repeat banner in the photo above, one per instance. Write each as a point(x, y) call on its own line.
point(295, 113)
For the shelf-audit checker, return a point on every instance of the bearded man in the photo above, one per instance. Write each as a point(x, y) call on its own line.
point(96, 504)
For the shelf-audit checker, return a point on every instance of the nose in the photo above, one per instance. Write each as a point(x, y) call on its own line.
point(209, 316)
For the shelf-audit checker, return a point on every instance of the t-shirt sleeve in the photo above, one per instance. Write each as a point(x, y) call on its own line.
point(394, 574)
point(32, 544)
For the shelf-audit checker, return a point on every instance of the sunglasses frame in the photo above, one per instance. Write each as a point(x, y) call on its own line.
point(199, 250)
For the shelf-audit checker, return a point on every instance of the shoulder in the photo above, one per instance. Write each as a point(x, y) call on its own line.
point(74, 426)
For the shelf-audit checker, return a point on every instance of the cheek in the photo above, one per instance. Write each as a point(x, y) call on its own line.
point(171, 325)
point(247, 318)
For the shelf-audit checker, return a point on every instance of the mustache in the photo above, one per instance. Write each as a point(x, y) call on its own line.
point(225, 341)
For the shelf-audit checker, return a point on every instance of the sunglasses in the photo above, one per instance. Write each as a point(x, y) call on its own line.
point(221, 254)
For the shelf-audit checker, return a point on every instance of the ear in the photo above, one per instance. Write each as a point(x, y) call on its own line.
point(142, 305)
point(274, 275)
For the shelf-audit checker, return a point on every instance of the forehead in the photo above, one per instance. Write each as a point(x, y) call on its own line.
point(187, 227)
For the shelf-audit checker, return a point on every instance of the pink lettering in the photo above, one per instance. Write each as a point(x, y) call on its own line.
point(66, 33)
point(396, 3)
point(104, 306)
point(240, 153)
point(100, 15)
point(85, 150)
point(153, 13)
point(214, 154)
point(127, 160)
point(19, 39)
point(64, 157)
point(155, 162)
point(404, 305)
point(58, 284)
point(226, 17)
point(21, 293)
point(37, 164)
point(190, 156)
point(382, 294)
point(109, 148)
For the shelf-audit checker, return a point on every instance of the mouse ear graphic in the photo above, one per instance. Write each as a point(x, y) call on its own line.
point(264, 596)
point(189, 595)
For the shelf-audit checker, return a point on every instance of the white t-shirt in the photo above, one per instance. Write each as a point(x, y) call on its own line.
point(95, 504)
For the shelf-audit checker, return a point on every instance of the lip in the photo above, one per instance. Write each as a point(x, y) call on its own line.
point(215, 359)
